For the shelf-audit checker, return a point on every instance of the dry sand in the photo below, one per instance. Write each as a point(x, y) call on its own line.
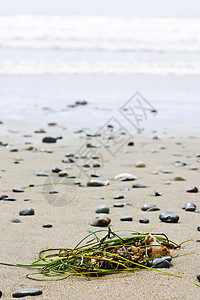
point(21, 243)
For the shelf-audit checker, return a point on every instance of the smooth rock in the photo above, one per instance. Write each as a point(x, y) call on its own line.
point(126, 218)
point(117, 197)
point(18, 190)
point(47, 225)
point(167, 171)
point(198, 276)
point(180, 164)
point(189, 206)
point(27, 199)
point(140, 164)
point(62, 173)
point(144, 220)
point(118, 205)
point(128, 204)
point(159, 263)
point(9, 199)
point(100, 198)
point(3, 197)
point(197, 211)
point(147, 206)
point(130, 144)
point(102, 221)
point(198, 240)
point(94, 175)
point(153, 209)
point(126, 177)
point(27, 212)
point(97, 183)
point(96, 165)
point(193, 189)
point(168, 217)
point(26, 292)
point(103, 208)
point(42, 174)
point(179, 178)
point(56, 170)
point(198, 228)
point(49, 140)
point(124, 189)
point(157, 194)
point(53, 192)
point(15, 221)
point(138, 185)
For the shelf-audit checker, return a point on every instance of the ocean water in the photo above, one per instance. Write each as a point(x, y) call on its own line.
point(52, 61)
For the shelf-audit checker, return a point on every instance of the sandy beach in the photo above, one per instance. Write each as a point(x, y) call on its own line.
point(25, 156)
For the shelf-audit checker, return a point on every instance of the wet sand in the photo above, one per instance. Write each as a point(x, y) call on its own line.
point(21, 243)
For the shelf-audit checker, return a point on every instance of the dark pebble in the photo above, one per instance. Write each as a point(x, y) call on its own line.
point(144, 220)
point(156, 193)
point(198, 228)
point(102, 209)
point(94, 175)
point(159, 263)
point(101, 221)
point(18, 190)
point(27, 212)
point(15, 221)
point(3, 197)
point(126, 218)
point(56, 170)
point(130, 144)
point(138, 185)
point(53, 192)
point(118, 204)
point(118, 197)
point(49, 140)
point(1, 294)
point(153, 209)
point(42, 174)
point(168, 217)
point(189, 206)
point(146, 206)
point(198, 276)
point(9, 199)
point(198, 240)
point(96, 165)
point(193, 189)
point(128, 204)
point(180, 164)
point(47, 225)
point(26, 292)
point(27, 199)
point(40, 131)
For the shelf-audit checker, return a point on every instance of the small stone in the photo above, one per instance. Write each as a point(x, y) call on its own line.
point(126, 177)
point(42, 174)
point(49, 140)
point(14, 150)
point(198, 228)
point(179, 178)
point(27, 199)
point(94, 175)
point(155, 137)
point(18, 190)
point(62, 173)
point(193, 189)
point(189, 206)
point(56, 170)
point(27, 212)
point(146, 206)
point(198, 240)
point(117, 197)
point(124, 189)
point(9, 199)
point(126, 218)
point(144, 220)
point(53, 192)
point(100, 198)
point(153, 209)
point(197, 211)
point(167, 171)
point(177, 154)
point(26, 292)
point(180, 164)
point(102, 209)
point(47, 225)
point(138, 185)
point(15, 221)
point(69, 154)
point(130, 144)
point(89, 145)
point(157, 194)
point(128, 204)
point(140, 164)
point(40, 131)
point(3, 197)
point(159, 263)
point(168, 217)
point(52, 124)
point(96, 165)
point(118, 205)
point(101, 221)
point(198, 276)
point(97, 183)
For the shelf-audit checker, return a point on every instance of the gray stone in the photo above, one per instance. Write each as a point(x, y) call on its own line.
point(198, 228)
point(138, 185)
point(26, 292)
point(47, 225)
point(97, 183)
point(118, 204)
point(15, 221)
point(157, 194)
point(27, 212)
point(102, 221)
point(103, 208)
point(27, 199)
point(180, 164)
point(62, 173)
point(153, 209)
point(146, 206)
point(144, 220)
point(117, 197)
point(9, 199)
point(18, 190)
point(42, 174)
point(168, 217)
point(198, 240)
point(193, 189)
point(128, 204)
point(159, 263)
point(126, 218)
point(94, 175)
point(3, 197)
point(53, 192)
point(56, 170)
point(167, 172)
point(49, 140)
point(189, 206)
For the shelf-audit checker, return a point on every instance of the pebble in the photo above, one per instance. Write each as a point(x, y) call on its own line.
point(179, 178)
point(26, 292)
point(15, 221)
point(126, 218)
point(53, 192)
point(167, 172)
point(124, 189)
point(47, 225)
point(189, 206)
point(168, 217)
point(198, 228)
point(49, 140)
point(130, 144)
point(56, 170)
point(118, 197)
point(9, 199)
point(3, 197)
point(69, 154)
point(198, 240)
point(147, 206)
point(94, 175)
point(1, 294)
point(97, 183)
point(118, 205)
point(100, 198)
point(157, 194)
point(180, 164)
point(62, 173)
point(27, 212)
point(162, 262)
point(128, 204)
point(140, 164)
point(153, 209)
point(144, 220)
point(126, 177)
point(40, 131)
point(103, 208)
point(42, 174)
point(101, 221)
point(27, 199)
point(197, 211)
point(138, 185)
point(198, 276)
point(193, 189)
point(18, 190)
point(96, 165)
